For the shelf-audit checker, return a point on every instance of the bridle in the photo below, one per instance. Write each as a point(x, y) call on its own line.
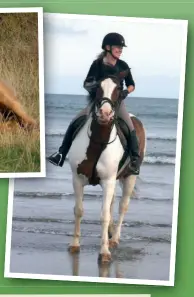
point(97, 104)
point(100, 102)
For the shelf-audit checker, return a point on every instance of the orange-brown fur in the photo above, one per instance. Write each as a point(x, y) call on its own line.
point(11, 109)
point(94, 150)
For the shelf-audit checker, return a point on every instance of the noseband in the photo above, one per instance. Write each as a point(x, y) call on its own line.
point(106, 100)
point(98, 103)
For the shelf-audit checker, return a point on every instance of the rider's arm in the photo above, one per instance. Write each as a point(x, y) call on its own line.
point(91, 78)
point(129, 81)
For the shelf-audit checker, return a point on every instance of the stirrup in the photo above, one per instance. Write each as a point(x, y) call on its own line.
point(53, 161)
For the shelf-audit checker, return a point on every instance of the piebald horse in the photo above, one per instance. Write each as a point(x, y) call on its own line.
point(94, 158)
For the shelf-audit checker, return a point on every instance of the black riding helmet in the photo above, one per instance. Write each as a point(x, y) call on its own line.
point(113, 39)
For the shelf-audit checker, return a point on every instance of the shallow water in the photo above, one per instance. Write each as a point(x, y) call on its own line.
point(43, 229)
point(43, 218)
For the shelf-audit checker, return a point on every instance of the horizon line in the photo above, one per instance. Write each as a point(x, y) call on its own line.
point(138, 97)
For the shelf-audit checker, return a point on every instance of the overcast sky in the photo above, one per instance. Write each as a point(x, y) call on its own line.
point(154, 53)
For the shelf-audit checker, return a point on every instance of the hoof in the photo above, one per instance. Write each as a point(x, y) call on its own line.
point(104, 258)
point(113, 244)
point(74, 249)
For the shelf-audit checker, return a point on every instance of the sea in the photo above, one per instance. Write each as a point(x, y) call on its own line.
point(43, 219)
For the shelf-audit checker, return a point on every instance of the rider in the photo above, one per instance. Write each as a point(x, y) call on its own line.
point(107, 63)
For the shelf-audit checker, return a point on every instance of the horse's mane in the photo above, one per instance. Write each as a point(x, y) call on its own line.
point(91, 102)
point(89, 99)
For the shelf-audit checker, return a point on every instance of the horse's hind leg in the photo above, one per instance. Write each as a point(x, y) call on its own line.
point(78, 212)
point(128, 186)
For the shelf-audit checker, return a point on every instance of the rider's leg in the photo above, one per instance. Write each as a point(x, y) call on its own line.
point(58, 158)
point(131, 139)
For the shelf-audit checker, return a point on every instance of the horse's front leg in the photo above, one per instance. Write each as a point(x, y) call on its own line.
point(108, 193)
point(78, 213)
point(128, 186)
point(111, 223)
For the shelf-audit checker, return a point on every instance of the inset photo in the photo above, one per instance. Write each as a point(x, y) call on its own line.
point(22, 120)
point(107, 209)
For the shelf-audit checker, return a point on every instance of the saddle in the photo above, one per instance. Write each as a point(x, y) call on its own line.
point(122, 131)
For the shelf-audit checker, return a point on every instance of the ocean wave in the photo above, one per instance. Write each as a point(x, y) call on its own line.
point(159, 160)
point(156, 158)
point(85, 234)
point(163, 154)
point(133, 224)
point(89, 196)
point(157, 239)
point(40, 195)
point(59, 134)
point(91, 234)
point(51, 195)
point(157, 115)
point(149, 137)
point(161, 138)
point(73, 108)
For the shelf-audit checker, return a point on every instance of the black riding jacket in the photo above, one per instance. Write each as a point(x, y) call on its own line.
point(99, 70)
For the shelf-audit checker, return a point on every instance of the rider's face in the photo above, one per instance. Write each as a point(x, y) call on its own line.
point(117, 51)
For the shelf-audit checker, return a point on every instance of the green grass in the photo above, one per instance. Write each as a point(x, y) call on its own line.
point(19, 149)
point(21, 154)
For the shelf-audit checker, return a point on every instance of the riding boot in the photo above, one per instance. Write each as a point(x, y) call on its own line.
point(134, 150)
point(58, 158)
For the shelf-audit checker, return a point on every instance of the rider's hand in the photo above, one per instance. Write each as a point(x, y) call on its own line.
point(124, 94)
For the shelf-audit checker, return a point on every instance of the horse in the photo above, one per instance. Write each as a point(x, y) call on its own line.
point(11, 110)
point(95, 158)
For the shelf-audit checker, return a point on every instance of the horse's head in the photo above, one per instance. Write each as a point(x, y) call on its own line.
point(107, 98)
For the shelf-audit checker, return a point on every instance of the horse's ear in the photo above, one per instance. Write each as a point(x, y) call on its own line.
point(123, 74)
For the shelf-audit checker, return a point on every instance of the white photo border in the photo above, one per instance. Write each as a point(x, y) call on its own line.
point(171, 280)
point(42, 172)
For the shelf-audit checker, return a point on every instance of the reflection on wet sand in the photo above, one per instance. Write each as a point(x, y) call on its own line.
point(104, 269)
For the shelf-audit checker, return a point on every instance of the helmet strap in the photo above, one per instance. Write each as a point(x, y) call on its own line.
point(110, 52)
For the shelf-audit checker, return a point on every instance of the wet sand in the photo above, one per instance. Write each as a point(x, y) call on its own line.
point(43, 229)
point(47, 255)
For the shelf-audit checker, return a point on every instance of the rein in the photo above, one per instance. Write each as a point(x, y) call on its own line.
point(99, 142)
point(107, 100)
point(99, 104)
point(103, 101)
